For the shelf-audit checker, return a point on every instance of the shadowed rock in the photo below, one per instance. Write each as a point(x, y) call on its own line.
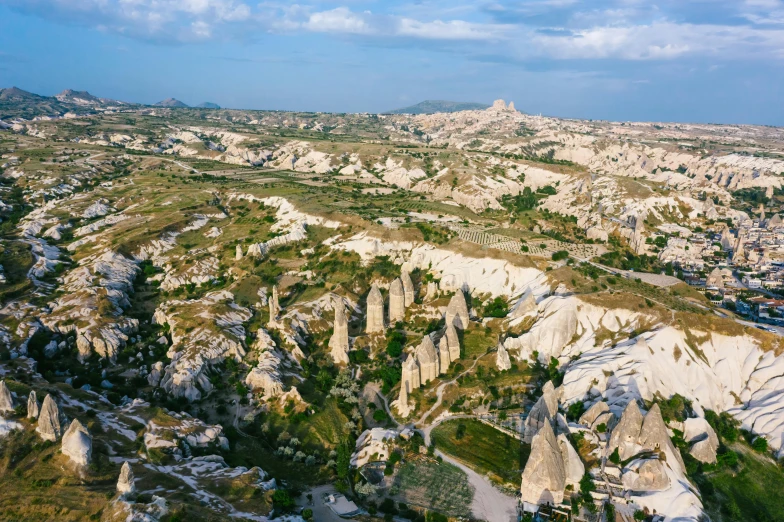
point(410, 379)
point(125, 484)
point(457, 311)
point(544, 476)
point(32, 406)
point(703, 440)
point(397, 300)
point(77, 443)
point(453, 341)
point(443, 356)
point(375, 311)
point(646, 475)
point(408, 289)
point(428, 360)
point(274, 306)
point(596, 415)
point(654, 435)
point(625, 436)
point(338, 343)
point(542, 413)
point(6, 400)
point(50, 420)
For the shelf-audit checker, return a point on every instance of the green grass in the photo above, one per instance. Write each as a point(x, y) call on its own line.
point(753, 493)
point(438, 486)
point(484, 449)
point(476, 342)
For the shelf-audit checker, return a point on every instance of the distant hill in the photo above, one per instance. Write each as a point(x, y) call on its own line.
point(434, 106)
point(171, 103)
point(85, 98)
point(17, 103)
point(208, 105)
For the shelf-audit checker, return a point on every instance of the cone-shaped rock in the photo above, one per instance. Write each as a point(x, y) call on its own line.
point(397, 300)
point(375, 311)
point(542, 413)
point(453, 341)
point(443, 356)
point(125, 484)
point(457, 311)
point(410, 378)
point(50, 420)
point(6, 400)
point(274, 306)
point(544, 476)
point(32, 406)
point(238, 253)
point(408, 289)
point(573, 465)
point(427, 359)
point(626, 434)
point(596, 415)
point(77, 443)
point(502, 361)
point(338, 343)
point(654, 435)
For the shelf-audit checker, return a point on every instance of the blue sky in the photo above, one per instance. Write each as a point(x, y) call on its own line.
point(671, 60)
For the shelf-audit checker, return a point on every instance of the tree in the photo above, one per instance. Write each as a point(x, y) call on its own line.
point(343, 460)
point(760, 444)
point(615, 457)
point(639, 515)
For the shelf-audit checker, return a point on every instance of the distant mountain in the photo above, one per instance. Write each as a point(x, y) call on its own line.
point(171, 103)
point(434, 106)
point(16, 103)
point(86, 99)
point(208, 105)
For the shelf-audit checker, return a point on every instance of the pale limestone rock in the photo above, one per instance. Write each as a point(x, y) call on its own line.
point(544, 476)
point(525, 306)
point(156, 374)
point(655, 437)
point(645, 475)
point(32, 406)
point(6, 400)
point(715, 279)
point(457, 311)
point(727, 240)
point(125, 484)
point(432, 291)
point(637, 239)
point(542, 413)
point(50, 420)
point(410, 378)
point(274, 306)
point(502, 361)
point(453, 341)
point(428, 360)
point(573, 465)
point(597, 415)
point(703, 440)
point(397, 306)
point(338, 343)
point(265, 377)
point(375, 311)
point(238, 253)
point(77, 443)
point(626, 434)
point(443, 355)
point(408, 289)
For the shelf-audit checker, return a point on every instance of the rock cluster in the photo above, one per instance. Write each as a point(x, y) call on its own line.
point(266, 377)
point(542, 413)
point(50, 420)
point(375, 311)
point(428, 360)
point(552, 465)
point(634, 434)
point(457, 311)
point(6, 400)
point(77, 443)
point(338, 343)
point(32, 406)
point(397, 302)
point(125, 484)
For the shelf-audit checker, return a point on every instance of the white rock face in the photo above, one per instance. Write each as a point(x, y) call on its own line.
point(408, 289)
point(274, 307)
point(338, 343)
point(544, 476)
point(457, 311)
point(32, 406)
point(410, 381)
point(453, 341)
point(50, 421)
point(126, 484)
point(6, 400)
point(444, 357)
point(78, 443)
point(645, 475)
point(542, 413)
point(597, 415)
point(397, 302)
point(428, 360)
point(375, 311)
point(156, 374)
point(703, 440)
point(266, 377)
point(502, 361)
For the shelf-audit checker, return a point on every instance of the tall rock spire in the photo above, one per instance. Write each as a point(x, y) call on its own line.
point(338, 343)
point(375, 311)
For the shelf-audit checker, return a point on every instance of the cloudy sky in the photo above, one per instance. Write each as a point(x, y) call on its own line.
point(665, 60)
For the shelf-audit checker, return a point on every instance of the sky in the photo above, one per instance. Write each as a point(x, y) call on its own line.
point(715, 61)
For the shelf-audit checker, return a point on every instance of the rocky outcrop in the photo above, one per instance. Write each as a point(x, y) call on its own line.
point(50, 421)
point(542, 413)
point(444, 359)
point(274, 306)
point(457, 311)
point(703, 440)
point(655, 437)
point(265, 377)
point(502, 361)
point(410, 378)
point(6, 400)
point(408, 288)
point(375, 311)
point(338, 343)
point(645, 475)
point(397, 302)
point(77, 443)
point(428, 360)
point(238, 253)
point(156, 374)
point(126, 486)
point(573, 464)
point(453, 341)
point(544, 476)
point(626, 434)
point(597, 415)
point(32, 406)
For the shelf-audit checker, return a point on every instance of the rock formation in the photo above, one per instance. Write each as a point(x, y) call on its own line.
point(410, 379)
point(375, 311)
point(502, 361)
point(443, 356)
point(727, 240)
point(573, 465)
point(432, 291)
point(655, 437)
point(542, 413)
point(32, 406)
point(715, 279)
point(597, 415)
point(645, 475)
point(453, 341)
point(525, 306)
point(637, 239)
point(408, 289)
point(457, 311)
point(6, 400)
point(428, 360)
point(338, 343)
point(544, 476)
point(238, 253)
point(703, 440)
point(77, 443)
point(125, 484)
point(156, 374)
point(274, 306)
point(625, 436)
point(50, 420)
point(397, 300)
